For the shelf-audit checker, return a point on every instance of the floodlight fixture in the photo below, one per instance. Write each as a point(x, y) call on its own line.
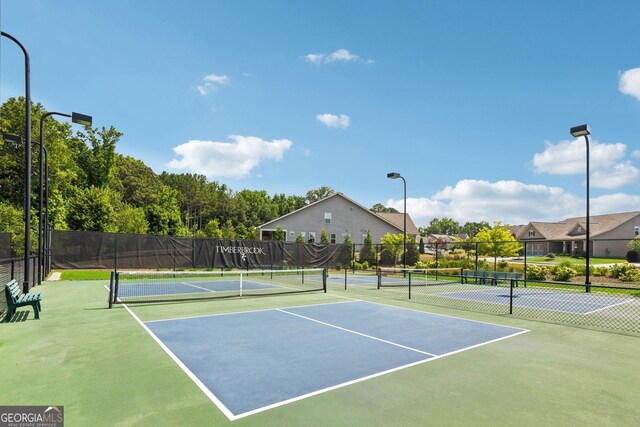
point(81, 119)
point(396, 175)
point(393, 175)
point(582, 130)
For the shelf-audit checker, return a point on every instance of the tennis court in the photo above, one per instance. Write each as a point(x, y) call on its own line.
point(545, 299)
point(248, 362)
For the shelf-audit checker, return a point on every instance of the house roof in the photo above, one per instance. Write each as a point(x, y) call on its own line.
point(598, 224)
point(393, 219)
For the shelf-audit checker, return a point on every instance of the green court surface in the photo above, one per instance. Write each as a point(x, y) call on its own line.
point(107, 370)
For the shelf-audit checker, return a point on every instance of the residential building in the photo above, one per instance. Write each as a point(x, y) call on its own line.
point(339, 216)
point(609, 235)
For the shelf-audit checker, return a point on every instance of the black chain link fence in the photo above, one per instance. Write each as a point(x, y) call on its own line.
point(611, 308)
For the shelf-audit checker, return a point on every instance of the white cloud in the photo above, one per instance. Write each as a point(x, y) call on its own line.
point(607, 165)
point(612, 203)
point(568, 157)
point(511, 202)
point(228, 159)
point(617, 176)
point(629, 83)
point(636, 154)
point(340, 55)
point(212, 82)
point(331, 120)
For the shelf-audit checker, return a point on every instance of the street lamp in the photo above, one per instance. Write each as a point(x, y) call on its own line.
point(27, 169)
point(578, 131)
point(396, 175)
point(75, 118)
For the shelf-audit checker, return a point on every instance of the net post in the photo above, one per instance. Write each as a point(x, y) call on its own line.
point(116, 275)
point(379, 274)
point(511, 297)
point(111, 280)
point(324, 280)
point(409, 285)
point(241, 274)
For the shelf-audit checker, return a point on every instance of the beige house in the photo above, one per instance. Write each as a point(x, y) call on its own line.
point(339, 216)
point(609, 235)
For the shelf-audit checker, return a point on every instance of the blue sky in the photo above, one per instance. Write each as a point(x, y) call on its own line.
point(471, 101)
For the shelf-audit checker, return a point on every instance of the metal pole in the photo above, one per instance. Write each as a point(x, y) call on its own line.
point(404, 229)
point(587, 281)
point(27, 170)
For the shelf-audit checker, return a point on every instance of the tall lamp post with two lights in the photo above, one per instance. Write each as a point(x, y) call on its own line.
point(42, 243)
point(396, 175)
point(576, 132)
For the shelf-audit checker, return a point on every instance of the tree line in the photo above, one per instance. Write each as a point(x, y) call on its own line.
point(92, 187)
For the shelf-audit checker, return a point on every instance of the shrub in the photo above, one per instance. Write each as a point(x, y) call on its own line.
point(550, 255)
point(632, 256)
point(387, 257)
point(631, 274)
point(601, 271)
point(537, 272)
point(503, 265)
point(618, 270)
point(563, 273)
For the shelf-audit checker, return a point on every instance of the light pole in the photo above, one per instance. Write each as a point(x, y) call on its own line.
point(27, 168)
point(578, 131)
point(75, 118)
point(396, 175)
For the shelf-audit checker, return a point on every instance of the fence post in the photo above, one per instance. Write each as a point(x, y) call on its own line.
point(524, 275)
point(511, 297)
point(409, 285)
point(345, 279)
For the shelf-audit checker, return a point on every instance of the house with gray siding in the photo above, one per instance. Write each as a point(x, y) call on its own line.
point(340, 216)
point(609, 235)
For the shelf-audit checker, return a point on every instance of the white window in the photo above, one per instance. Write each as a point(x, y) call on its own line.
point(292, 234)
point(312, 236)
point(636, 230)
point(327, 218)
point(333, 238)
point(532, 233)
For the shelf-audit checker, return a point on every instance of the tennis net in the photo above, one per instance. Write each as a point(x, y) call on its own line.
point(409, 277)
point(163, 286)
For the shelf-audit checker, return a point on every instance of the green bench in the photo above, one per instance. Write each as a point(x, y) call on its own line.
point(503, 275)
point(480, 276)
point(16, 299)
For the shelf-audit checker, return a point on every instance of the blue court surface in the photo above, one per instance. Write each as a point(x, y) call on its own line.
point(253, 361)
point(544, 299)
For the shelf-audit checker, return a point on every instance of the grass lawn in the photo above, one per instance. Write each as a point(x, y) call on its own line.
point(85, 274)
point(576, 261)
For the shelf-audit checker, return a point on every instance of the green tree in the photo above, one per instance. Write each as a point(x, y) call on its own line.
point(442, 226)
point(634, 245)
point(367, 253)
point(347, 241)
point(279, 234)
point(472, 228)
point(228, 231)
point(394, 243)
point(12, 221)
point(164, 215)
point(299, 238)
point(95, 152)
point(413, 256)
point(421, 246)
point(136, 182)
point(131, 219)
point(212, 229)
point(379, 207)
point(91, 209)
point(319, 194)
point(324, 237)
point(497, 241)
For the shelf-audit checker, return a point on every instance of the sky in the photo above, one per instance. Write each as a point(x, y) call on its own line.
point(470, 101)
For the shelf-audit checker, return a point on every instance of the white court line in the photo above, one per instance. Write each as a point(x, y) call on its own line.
point(197, 287)
point(358, 333)
point(609, 306)
point(184, 367)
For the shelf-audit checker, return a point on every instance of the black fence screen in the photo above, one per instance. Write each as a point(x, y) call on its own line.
point(88, 249)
